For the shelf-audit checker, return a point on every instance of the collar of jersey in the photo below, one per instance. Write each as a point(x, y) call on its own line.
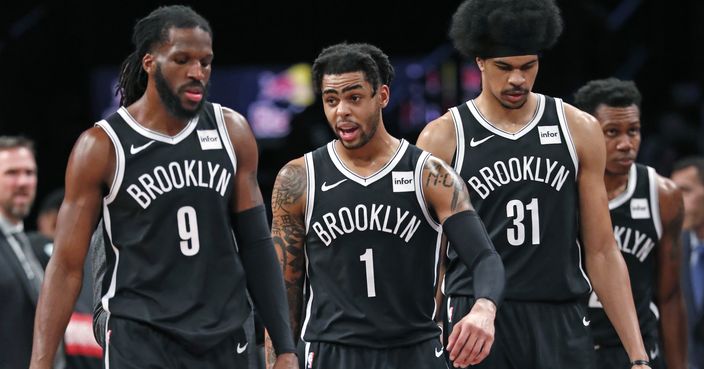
point(366, 181)
point(540, 108)
point(630, 188)
point(157, 136)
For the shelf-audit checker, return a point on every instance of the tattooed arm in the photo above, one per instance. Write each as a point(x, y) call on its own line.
point(288, 231)
point(673, 327)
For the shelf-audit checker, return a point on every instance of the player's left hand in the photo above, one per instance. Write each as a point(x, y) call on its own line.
point(286, 361)
point(471, 338)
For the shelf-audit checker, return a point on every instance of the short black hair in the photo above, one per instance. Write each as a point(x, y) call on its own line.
point(691, 161)
point(150, 32)
point(493, 28)
point(347, 58)
point(610, 91)
point(15, 142)
point(386, 70)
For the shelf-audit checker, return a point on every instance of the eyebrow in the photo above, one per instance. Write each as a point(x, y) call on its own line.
point(348, 88)
point(504, 64)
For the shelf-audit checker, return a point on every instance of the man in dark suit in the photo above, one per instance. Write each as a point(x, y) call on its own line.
point(20, 271)
point(688, 174)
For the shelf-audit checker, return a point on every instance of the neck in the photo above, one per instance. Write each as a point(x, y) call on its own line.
point(615, 184)
point(151, 113)
point(511, 120)
point(373, 155)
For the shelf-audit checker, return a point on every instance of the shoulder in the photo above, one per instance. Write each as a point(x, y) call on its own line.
point(669, 198)
point(438, 137)
point(290, 187)
point(235, 121)
point(579, 121)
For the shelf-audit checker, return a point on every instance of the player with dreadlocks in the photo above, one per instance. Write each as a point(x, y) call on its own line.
point(534, 166)
point(175, 180)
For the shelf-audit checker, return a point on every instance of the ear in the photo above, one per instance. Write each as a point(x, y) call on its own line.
point(480, 63)
point(149, 63)
point(384, 95)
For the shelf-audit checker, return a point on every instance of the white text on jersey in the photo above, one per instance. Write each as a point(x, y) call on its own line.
point(531, 168)
point(362, 219)
point(177, 175)
point(633, 242)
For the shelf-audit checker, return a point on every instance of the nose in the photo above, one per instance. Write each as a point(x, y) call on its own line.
point(516, 77)
point(196, 71)
point(343, 109)
point(624, 144)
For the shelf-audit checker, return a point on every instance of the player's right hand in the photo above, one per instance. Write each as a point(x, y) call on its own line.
point(471, 338)
point(286, 361)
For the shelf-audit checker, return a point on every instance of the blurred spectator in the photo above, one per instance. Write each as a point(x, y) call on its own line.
point(20, 272)
point(688, 174)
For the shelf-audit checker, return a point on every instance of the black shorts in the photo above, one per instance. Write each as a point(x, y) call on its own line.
point(324, 355)
point(132, 345)
point(532, 335)
point(615, 357)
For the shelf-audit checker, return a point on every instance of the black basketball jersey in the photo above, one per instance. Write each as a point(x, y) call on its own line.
point(172, 261)
point(372, 252)
point(524, 188)
point(635, 214)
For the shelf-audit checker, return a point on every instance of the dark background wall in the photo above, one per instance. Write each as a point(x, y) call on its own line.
point(48, 50)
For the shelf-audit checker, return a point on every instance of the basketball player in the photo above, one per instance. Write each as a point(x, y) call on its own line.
point(357, 219)
point(179, 175)
point(535, 168)
point(647, 214)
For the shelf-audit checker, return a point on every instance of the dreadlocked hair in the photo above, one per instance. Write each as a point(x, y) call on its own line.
point(150, 32)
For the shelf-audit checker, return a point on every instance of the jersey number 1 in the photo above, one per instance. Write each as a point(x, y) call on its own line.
point(368, 259)
point(516, 209)
point(188, 230)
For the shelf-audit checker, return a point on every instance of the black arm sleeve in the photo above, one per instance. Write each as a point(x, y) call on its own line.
point(468, 236)
point(265, 280)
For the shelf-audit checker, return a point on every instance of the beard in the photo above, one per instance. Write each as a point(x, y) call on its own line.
point(15, 211)
point(172, 100)
point(364, 137)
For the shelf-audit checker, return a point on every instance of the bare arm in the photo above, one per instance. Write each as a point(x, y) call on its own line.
point(669, 295)
point(605, 264)
point(288, 230)
point(91, 164)
point(247, 195)
point(438, 138)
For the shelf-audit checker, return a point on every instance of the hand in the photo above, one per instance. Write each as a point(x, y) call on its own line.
point(286, 361)
point(471, 338)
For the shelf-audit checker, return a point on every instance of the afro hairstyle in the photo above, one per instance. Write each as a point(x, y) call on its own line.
point(610, 91)
point(495, 28)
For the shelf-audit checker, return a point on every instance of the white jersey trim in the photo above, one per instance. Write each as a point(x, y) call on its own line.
point(105, 300)
point(366, 181)
point(584, 274)
point(438, 248)
point(310, 189)
point(154, 135)
point(309, 306)
point(222, 129)
point(654, 200)
point(106, 337)
point(630, 189)
point(420, 195)
point(654, 309)
point(540, 108)
point(119, 161)
point(568, 135)
point(459, 139)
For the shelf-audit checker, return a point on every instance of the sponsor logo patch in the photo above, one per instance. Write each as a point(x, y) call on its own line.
point(549, 135)
point(640, 209)
point(209, 139)
point(402, 181)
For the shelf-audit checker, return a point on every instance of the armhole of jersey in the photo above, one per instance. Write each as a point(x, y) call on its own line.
point(119, 161)
point(419, 190)
point(568, 136)
point(310, 189)
point(107, 223)
point(222, 129)
point(654, 201)
point(581, 269)
point(459, 139)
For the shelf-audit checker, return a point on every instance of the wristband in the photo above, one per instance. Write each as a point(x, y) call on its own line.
point(640, 362)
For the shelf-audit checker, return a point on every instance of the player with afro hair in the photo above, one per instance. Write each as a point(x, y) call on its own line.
point(508, 144)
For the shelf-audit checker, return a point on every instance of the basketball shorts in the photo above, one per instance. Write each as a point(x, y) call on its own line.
point(325, 355)
point(615, 357)
point(131, 345)
point(531, 335)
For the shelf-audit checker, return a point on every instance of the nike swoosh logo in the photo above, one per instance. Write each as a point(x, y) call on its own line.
point(473, 143)
point(586, 322)
point(242, 348)
point(135, 150)
point(438, 352)
point(325, 187)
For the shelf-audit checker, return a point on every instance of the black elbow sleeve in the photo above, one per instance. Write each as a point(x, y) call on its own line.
point(468, 236)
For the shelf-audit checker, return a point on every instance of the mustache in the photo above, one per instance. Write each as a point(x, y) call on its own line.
point(516, 91)
point(194, 84)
